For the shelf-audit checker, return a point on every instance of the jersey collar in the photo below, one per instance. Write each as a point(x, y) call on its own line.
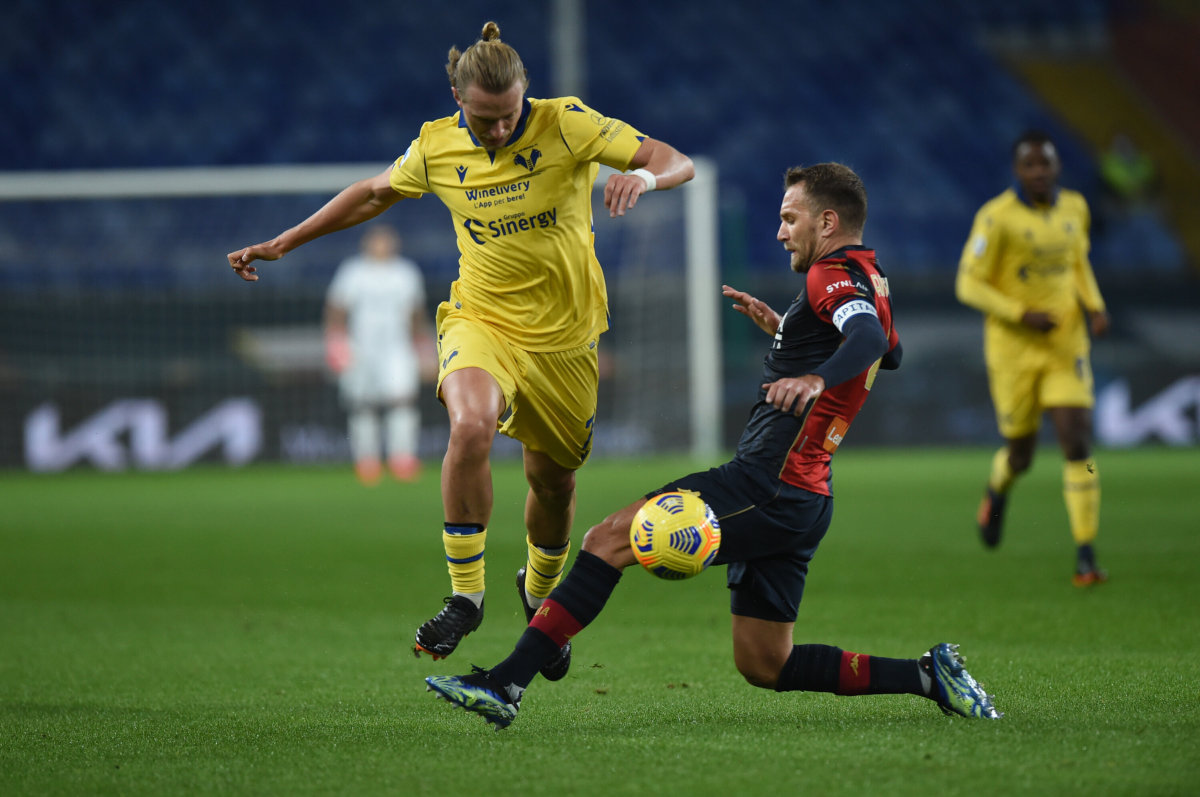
point(841, 253)
point(1026, 200)
point(517, 132)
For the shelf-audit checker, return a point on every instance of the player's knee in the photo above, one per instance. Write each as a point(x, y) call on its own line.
point(598, 538)
point(759, 678)
point(606, 540)
point(758, 670)
point(552, 488)
point(1077, 448)
point(1080, 453)
point(471, 435)
point(1020, 461)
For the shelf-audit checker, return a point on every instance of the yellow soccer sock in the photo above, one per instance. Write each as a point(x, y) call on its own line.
point(1002, 476)
point(1081, 492)
point(464, 545)
point(544, 570)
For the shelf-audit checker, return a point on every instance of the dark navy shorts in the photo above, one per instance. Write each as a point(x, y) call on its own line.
point(769, 533)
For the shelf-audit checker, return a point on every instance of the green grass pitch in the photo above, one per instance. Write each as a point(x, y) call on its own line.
point(248, 632)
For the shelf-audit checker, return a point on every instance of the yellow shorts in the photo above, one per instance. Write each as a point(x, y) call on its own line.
point(550, 397)
point(1020, 395)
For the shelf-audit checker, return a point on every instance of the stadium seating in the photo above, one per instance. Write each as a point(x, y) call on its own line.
point(909, 96)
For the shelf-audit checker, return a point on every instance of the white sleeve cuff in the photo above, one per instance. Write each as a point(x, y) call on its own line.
point(648, 176)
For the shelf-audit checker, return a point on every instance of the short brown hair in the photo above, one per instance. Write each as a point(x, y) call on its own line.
point(488, 63)
point(833, 186)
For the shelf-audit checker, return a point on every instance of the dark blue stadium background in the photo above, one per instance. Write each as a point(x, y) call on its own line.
point(904, 92)
point(913, 95)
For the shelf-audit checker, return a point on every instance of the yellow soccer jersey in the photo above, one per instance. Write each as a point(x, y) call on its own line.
point(1020, 257)
point(523, 217)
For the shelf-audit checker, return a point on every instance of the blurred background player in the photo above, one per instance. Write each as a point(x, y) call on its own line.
point(774, 499)
point(518, 337)
point(377, 340)
point(1025, 267)
point(1129, 175)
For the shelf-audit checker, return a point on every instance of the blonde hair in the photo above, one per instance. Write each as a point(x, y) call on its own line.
point(488, 63)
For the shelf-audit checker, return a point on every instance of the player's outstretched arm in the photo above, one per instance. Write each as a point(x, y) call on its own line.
point(355, 204)
point(755, 309)
point(657, 166)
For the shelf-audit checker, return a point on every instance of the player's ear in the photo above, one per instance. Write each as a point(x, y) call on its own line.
point(830, 223)
point(457, 99)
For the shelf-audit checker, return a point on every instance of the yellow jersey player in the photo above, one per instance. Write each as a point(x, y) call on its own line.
point(517, 338)
point(1025, 267)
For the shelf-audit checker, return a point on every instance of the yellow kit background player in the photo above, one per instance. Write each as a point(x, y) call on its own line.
point(1025, 267)
point(517, 339)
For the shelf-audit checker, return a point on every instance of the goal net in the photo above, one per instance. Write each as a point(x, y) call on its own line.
point(126, 342)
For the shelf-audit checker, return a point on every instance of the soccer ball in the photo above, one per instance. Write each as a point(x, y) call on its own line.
point(675, 535)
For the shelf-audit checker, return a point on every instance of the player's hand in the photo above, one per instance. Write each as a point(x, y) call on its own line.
point(338, 355)
point(1098, 323)
point(241, 259)
point(794, 393)
point(755, 309)
point(621, 193)
point(1039, 320)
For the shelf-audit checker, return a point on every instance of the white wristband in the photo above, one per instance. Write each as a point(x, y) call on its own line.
point(648, 176)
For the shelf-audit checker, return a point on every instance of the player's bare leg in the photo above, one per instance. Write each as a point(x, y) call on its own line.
point(1008, 463)
point(550, 503)
point(1020, 453)
point(760, 649)
point(474, 402)
point(1073, 427)
point(549, 512)
point(1081, 489)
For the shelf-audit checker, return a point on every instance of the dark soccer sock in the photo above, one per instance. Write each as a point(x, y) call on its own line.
point(571, 606)
point(824, 668)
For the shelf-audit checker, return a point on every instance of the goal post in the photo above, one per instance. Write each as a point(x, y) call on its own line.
point(662, 263)
point(705, 372)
